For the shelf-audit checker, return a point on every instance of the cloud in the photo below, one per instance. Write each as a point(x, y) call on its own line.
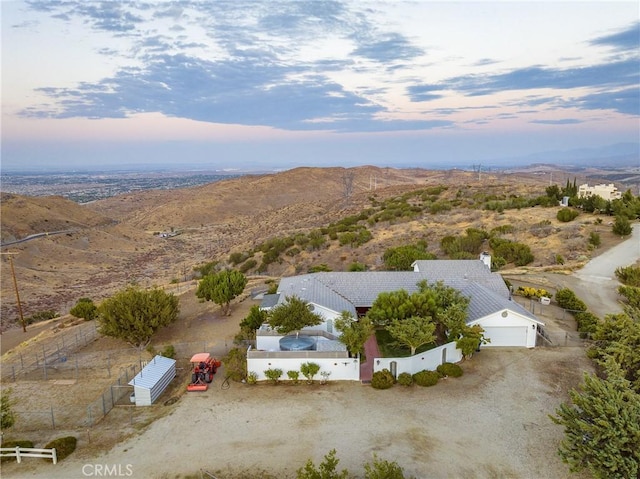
point(625, 40)
point(565, 121)
point(424, 92)
point(625, 101)
point(391, 48)
point(231, 92)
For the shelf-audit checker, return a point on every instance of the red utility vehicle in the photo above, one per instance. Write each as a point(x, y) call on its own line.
point(204, 367)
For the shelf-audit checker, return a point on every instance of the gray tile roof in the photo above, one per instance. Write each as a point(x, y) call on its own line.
point(346, 291)
point(484, 302)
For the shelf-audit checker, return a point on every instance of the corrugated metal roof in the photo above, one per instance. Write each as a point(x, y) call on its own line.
point(153, 372)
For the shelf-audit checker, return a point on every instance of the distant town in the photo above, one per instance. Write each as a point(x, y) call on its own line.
point(84, 187)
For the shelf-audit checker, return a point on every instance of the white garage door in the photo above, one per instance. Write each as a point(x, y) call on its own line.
point(506, 336)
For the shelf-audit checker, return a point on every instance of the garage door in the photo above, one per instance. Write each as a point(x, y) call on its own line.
point(506, 336)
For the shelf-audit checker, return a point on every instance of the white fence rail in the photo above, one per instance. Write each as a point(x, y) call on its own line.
point(20, 452)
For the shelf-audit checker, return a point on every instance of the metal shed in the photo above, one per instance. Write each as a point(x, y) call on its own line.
point(153, 380)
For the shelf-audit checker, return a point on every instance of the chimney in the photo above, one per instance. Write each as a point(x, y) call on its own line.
point(486, 259)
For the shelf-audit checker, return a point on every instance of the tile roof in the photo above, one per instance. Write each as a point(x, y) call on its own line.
point(346, 291)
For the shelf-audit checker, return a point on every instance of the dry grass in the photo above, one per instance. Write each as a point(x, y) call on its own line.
point(112, 242)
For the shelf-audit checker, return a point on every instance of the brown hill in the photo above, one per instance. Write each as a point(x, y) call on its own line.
point(111, 242)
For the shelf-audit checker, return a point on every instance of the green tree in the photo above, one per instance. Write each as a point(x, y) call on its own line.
point(84, 308)
point(222, 288)
point(413, 332)
point(328, 469)
point(594, 239)
point(470, 340)
point(235, 364)
point(621, 226)
point(381, 469)
point(353, 333)
point(256, 318)
point(617, 338)
point(7, 416)
point(293, 315)
point(134, 315)
point(402, 257)
point(602, 428)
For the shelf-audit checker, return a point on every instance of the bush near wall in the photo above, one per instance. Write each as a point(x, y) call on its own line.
point(449, 370)
point(382, 379)
point(426, 378)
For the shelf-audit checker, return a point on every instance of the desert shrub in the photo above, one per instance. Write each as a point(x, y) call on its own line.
point(64, 446)
point(587, 323)
point(42, 316)
point(13, 445)
point(502, 230)
point(439, 207)
point(559, 259)
point(426, 378)
point(567, 299)
point(621, 226)
point(449, 369)
point(237, 258)
point(294, 376)
point(356, 266)
point(629, 275)
point(319, 268)
point(382, 379)
point(273, 375)
point(252, 377)
point(567, 214)
point(248, 265)
point(594, 239)
point(405, 379)
point(85, 308)
point(497, 262)
point(631, 294)
point(169, 351)
point(516, 253)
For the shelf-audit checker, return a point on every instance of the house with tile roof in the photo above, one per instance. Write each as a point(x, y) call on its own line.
point(505, 322)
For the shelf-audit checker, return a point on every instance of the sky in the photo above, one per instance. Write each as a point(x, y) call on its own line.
point(234, 84)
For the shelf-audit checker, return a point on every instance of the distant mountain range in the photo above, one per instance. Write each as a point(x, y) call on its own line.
point(618, 155)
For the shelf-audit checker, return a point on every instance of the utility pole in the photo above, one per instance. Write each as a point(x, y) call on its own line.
point(15, 285)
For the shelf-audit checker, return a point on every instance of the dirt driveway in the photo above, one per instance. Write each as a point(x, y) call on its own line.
point(493, 422)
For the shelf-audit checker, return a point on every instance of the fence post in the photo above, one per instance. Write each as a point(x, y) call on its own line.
point(113, 402)
point(18, 458)
point(53, 421)
point(104, 406)
point(54, 455)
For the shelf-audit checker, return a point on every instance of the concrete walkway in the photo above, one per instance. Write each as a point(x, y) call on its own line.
point(371, 352)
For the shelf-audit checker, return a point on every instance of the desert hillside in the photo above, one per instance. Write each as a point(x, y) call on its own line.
point(111, 243)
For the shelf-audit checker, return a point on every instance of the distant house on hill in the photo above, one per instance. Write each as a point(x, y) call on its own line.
point(505, 322)
point(607, 192)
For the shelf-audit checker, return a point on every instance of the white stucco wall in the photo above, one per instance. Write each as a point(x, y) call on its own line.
point(341, 369)
point(429, 360)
